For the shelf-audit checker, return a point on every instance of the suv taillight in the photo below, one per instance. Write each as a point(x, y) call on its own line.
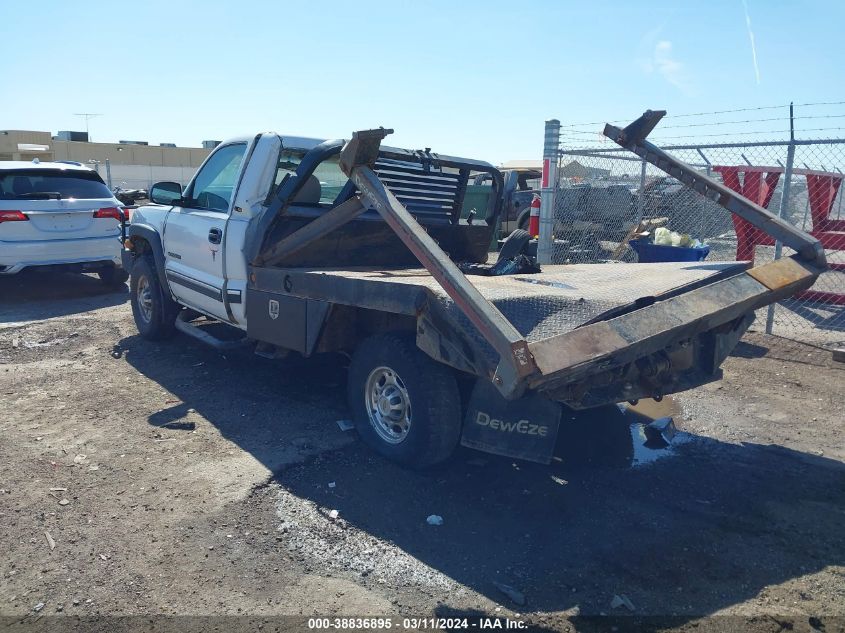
point(12, 216)
point(109, 212)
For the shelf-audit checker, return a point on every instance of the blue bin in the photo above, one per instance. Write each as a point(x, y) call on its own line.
point(648, 252)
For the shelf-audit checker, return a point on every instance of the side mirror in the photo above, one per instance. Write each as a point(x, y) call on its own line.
point(167, 193)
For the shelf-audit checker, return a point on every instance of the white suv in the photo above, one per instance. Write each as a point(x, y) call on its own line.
point(60, 215)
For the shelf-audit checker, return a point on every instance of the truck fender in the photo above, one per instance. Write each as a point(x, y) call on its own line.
point(152, 237)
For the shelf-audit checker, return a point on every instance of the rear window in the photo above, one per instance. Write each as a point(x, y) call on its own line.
point(40, 184)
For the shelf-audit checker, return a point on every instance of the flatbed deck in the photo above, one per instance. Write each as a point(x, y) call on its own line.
point(540, 306)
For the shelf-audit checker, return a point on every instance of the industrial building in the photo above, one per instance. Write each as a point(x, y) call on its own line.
point(132, 164)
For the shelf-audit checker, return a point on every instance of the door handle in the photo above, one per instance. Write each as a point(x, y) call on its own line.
point(215, 235)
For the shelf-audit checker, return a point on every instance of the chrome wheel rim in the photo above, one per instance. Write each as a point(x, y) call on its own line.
point(145, 299)
point(388, 405)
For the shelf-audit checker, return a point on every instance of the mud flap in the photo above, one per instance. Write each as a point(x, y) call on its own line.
point(525, 428)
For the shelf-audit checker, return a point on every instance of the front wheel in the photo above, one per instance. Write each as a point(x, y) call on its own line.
point(405, 405)
point(154, 312)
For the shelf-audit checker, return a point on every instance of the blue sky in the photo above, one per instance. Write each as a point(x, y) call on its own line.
point(463, 77)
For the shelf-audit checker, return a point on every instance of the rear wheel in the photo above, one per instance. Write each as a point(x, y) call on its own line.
point(405, 405)
point(154, 311)
point(113, 276)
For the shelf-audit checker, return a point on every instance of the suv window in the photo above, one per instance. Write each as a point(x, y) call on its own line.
point(215, 183)
point(328, 173)
point(43, 184)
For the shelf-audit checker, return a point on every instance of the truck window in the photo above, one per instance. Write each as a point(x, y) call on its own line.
point(328, 173)
point(215, 182)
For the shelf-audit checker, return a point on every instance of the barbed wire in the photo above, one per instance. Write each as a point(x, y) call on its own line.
point(759, 133)
point(733, 111)
point(797, 118)
point(576, 135)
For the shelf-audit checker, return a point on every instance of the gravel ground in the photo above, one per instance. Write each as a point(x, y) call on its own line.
point(143, 478)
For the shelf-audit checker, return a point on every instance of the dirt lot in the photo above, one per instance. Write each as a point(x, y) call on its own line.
point(172, 479)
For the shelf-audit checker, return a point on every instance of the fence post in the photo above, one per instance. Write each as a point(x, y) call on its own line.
point(641, 192)
point(707, 169)
point(551, 145)
point(108, 173)
point(784, 205)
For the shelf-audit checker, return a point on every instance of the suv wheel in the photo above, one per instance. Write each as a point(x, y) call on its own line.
point(153, 311)
point(405, 405)
point(113, 276)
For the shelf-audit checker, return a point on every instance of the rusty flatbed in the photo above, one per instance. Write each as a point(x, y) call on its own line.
point(640, 329)
point(540, 305)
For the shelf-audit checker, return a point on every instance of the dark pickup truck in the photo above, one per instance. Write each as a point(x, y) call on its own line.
point(371, 251)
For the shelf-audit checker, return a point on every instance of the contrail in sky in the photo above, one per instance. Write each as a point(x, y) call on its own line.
point(751, 37)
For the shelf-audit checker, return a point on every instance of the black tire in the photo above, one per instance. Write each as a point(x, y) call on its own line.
point(113, 276)
point(434, 402)
point(155, 312)
point(514, 244)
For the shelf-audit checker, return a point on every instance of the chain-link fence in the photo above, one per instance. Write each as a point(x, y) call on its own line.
point(605, 198)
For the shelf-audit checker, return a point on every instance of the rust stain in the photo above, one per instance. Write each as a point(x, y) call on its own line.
point(781, 273)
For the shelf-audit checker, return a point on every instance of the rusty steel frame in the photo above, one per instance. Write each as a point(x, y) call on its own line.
point(595, 347)
point(633, 138)
point(314, 230)
point(515, 360)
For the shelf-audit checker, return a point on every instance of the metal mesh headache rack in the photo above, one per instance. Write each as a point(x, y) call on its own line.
point(571, 331)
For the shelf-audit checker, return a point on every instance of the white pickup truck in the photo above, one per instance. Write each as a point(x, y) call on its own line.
point(316, 246)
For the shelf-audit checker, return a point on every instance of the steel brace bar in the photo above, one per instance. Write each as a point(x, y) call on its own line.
point(515, 361)
point(314, 230)
point(633, 138)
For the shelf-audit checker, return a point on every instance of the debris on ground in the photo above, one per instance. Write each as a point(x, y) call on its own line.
point(333, 515)
point(434, 519)
point(345, 425)
point(50, 541)
point(332, 484)
point(516, 596)
point(79, 459)
point(63, 502)
point(621, 600)
point(38, 607)
point(661, 431)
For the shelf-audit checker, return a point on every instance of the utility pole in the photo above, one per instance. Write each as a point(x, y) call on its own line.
point(88, 116)
point(784, 203)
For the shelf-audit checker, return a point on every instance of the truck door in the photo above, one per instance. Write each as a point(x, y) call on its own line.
point(195, 233)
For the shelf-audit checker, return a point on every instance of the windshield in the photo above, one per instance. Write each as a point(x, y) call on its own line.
point(42, 184)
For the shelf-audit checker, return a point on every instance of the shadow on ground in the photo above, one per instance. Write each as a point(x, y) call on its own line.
point(702, 531)
point(34, 294)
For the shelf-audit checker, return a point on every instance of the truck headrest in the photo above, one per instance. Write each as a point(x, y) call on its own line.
point(310, 192)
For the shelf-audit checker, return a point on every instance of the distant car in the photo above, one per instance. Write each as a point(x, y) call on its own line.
point(61, 215)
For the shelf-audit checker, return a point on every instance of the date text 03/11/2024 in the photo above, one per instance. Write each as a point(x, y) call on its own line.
point(423, 623)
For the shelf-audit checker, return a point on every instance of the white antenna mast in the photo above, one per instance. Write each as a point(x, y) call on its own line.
point(88, 116)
